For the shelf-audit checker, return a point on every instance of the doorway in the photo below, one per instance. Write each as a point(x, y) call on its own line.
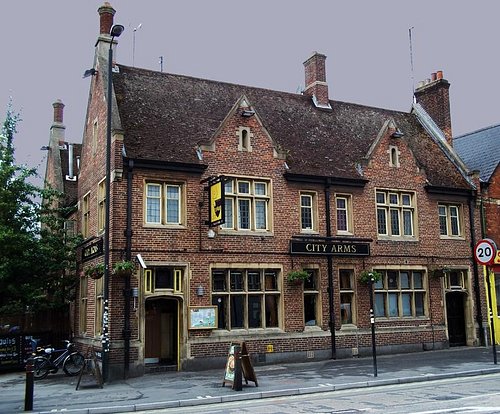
point(161, 331)
point(455, 310)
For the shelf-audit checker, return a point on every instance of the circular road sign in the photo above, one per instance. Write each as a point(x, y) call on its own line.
point(485, 251)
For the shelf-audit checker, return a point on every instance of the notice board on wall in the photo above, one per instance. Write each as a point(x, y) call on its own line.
point(246, 365)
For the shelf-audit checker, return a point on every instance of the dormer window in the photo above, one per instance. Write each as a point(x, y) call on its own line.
point(244, 139)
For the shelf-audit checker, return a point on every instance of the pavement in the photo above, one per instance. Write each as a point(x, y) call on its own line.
point(57, 393)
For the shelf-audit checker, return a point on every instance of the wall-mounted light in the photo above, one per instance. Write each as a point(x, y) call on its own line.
point(247, 113)
point(135, 295)
point(397, 134)
point(211, 234)
point(200, 291)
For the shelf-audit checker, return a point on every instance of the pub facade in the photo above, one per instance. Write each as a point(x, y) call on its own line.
point(221, 192)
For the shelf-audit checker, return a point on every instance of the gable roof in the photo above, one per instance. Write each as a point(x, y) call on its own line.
point(480, 150)
point(165, 117)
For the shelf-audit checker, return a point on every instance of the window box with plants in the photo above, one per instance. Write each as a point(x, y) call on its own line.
point(123, 268)
point(297, 277)
point(367, 276)
point(95, 271)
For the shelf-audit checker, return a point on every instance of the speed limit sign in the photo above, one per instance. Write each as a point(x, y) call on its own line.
point(485, 251)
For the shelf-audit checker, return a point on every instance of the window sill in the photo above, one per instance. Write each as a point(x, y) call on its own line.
point(251, 332)
point(312, 328)
point(397, 238)
point(345, 233)
point(458, 238)
point(309, 231)
point(256, 233)
point(348, 327)
point(164, 226)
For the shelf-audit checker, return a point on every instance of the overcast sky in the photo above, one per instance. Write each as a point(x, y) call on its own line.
point(47, 45)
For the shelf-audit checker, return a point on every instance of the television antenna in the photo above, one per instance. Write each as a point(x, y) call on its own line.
point(133, 43)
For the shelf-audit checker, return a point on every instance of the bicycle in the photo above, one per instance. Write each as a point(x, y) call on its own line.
point(46, 361)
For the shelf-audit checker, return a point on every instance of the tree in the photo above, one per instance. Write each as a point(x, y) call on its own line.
point(35, 260)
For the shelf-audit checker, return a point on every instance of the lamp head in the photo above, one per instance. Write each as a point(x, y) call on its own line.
point(116, 30)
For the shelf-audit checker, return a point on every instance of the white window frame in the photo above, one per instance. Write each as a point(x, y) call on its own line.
point(253, 198)
point(164, 203)
point(348, 211)
point(398, 209)
point(101, 206)
point(448, 216)
point(312, 207)
point(86, 215)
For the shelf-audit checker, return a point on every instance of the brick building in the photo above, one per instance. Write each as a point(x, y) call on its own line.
point(480, 150)
point(310, 183)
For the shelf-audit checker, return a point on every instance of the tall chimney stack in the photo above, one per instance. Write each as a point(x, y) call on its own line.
point(434, 96)
point(106, 13)
point(316, 85)
point(58, 111)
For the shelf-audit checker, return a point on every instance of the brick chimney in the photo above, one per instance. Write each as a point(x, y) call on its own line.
point(57, 128)
point(106, 13)
point(58, 111)
point(433, 94)
point(316, 85)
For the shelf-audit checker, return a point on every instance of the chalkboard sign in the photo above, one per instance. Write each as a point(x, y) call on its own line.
point(10, 351)
point(246, 365)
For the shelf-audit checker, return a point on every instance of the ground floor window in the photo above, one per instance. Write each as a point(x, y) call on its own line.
point(400, 293)
point(311, 299)
point(246, 298)
point(99, 306)
point(163, 279)
point(347, 309)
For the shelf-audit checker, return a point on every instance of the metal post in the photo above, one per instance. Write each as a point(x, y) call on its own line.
point(331, 303)
point(105, 315)
point(238, 380)
point(28, 394)
point(490, 312)
point(372, 322)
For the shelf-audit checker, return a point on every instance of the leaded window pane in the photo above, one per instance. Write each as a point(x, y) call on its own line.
point(381, 221)
point(254, 311)
point(244, 214)
point(394, 222)
point(406, 304)
point(260, 214)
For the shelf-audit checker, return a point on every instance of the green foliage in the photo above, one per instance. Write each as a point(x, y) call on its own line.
point(123, 267)
point(95, 271)
point(36, 256)
point(366, 276)
point(298, 275)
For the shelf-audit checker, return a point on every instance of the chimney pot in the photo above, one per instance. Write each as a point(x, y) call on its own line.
point(106, 13)
point(439, 74)
point(58, 111)
point(433, 76)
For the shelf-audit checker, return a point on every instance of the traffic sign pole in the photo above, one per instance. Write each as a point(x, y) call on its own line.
point(485, 253)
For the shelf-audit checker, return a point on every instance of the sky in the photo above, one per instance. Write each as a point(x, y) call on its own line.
point(46, 46)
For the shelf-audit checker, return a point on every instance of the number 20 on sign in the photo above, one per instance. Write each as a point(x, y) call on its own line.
point(485, 251)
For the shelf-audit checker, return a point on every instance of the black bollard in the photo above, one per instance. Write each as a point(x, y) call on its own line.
point(28, 395)
point(238, 381)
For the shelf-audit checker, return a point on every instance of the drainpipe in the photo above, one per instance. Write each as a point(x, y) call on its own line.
point(330, 270)
point(127, 292)
point(479, 315)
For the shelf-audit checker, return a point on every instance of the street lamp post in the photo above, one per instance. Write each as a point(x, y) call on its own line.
point(116, 31)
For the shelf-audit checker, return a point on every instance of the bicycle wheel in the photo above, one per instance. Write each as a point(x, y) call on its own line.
point(73, 364)
point(41, 367)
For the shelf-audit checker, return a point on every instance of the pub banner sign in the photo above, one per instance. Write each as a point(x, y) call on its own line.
point(330, 248)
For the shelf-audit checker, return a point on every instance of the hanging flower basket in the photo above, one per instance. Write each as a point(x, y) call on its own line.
point(96, 271)
point(366, 277)
point(123, 268)
point(297, 277)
